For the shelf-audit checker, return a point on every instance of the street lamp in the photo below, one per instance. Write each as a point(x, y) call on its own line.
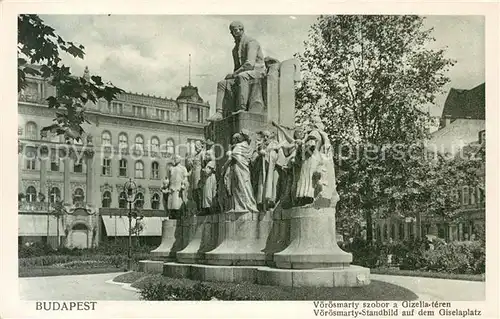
point(131, 188)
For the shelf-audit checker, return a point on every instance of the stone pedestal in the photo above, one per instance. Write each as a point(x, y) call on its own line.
point(312, 242)
point(204, 230)
point(243, 241)
point(171, 240)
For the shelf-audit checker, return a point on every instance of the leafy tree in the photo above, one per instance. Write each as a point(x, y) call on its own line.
point(370, 78)
point(39, 48)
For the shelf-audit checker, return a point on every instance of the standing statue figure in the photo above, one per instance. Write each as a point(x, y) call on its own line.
point(289, 154)
point(194, 165)
point(264, 171)
point(248, 65)
point(177, 185)
point(208, 180)
point(237, 176)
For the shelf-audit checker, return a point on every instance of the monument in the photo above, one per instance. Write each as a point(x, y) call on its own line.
point(266, 195)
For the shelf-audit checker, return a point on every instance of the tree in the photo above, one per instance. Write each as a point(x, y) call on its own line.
point(39, 48)
point(370, 78)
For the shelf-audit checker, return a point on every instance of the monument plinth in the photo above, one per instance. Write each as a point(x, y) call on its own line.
point(272, 217)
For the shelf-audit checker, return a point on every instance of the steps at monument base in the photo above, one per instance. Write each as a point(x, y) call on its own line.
point(151, 266)
point(350, 276)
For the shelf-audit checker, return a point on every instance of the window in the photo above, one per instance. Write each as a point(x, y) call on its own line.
point(139, 169)
point(106, 199)
point(106, 138)
point(482, 137)
point(401, 231)
point(480, 195)
point(465, 195)
point(116, 108)
point(31, 194)
point(379, 233)
point(123, 168)
point(31, 131)
point(194, 114)
point(54, 195)
point(393, 231)
point(122, 141)
point(54, 162)
point(106, 166)
point(122, 200)
point(386, 233)
point(30, 158)
point(155, 144)
point(155, 201)
point(139, 110)
point(472, 195)
point(78, 196)
point(78, 167)
point(155, 170)
point(139, 142)
point(139, 200)
point(170, 146)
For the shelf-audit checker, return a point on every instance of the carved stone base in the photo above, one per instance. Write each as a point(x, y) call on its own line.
point(171, 240)
point(351, 276)
point(312, 240)
point(243, 240)
point(205, 230)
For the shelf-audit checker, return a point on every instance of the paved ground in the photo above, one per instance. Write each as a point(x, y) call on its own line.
point(77, 287)
point(94, 287)
point(434, 289)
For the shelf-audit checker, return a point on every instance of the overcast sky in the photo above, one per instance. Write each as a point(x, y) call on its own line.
point(149, 54)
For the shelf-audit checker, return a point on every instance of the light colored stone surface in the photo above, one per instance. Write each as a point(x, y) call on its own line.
point(245, 236)
point(171, 240)
point(313, 240)
point(353, 276)
point(202, 239)
point(151, 266)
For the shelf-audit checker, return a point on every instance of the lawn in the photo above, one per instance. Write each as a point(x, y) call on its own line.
point(158, 287)
point(43, 271)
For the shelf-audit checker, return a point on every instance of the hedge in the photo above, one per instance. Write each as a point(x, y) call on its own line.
point(159, 288)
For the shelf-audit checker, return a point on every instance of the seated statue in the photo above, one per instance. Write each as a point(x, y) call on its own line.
point(233, 92)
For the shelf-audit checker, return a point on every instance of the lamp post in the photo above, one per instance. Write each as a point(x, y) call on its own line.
point(131, 188)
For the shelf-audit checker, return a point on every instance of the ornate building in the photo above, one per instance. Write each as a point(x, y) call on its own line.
point(134, 136)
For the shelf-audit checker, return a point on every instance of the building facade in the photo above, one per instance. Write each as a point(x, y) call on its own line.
point(133, 137)
point(461, 132)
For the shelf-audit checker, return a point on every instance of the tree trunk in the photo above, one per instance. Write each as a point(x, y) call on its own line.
point(58, 237)
point(369, 225)
point(418, 227)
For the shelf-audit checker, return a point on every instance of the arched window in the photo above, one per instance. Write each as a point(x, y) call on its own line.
point(401, 230)
point(78, 196)
point(170, 146)
point(393, 231)
point(139, 142)
point(139, 169)
point(385, 234)
point(379, 233)
point(106, 199)
point(122, 200)
point(123, 168)
point(122, 141)
point(139, 200)
point(155, 170)
point(31, 194)
point(155, 201)
point(31, 131)
point(155, 144)
point(106, 138)
point(54, 195)
point(30, 156)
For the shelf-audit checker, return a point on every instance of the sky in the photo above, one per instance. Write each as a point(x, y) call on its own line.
point(149, 54)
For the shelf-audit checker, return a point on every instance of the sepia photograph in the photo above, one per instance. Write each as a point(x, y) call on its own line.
point(337, 159)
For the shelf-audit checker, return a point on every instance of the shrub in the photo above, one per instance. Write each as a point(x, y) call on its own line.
point(456, 258)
